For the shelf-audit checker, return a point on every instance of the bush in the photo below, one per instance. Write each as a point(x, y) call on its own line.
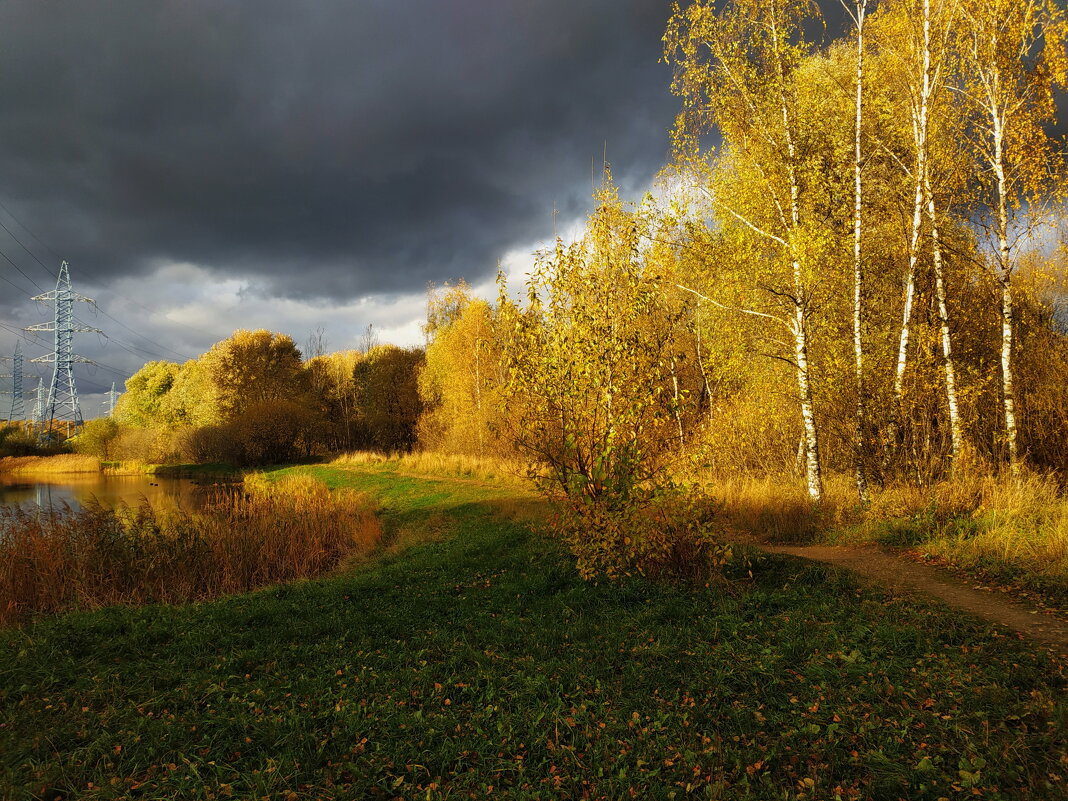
point(592, 394)
point(150, 445)
point(16, 440)
point(274, 432)
point(664, 534)
point(210, 444)
point(271, 432)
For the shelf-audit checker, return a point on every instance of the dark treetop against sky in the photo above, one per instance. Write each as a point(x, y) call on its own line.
point(212, 164)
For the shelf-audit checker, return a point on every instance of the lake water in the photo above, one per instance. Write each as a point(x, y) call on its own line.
point(76, 489)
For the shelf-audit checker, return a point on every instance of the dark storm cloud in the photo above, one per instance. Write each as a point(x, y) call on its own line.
point(331, 147)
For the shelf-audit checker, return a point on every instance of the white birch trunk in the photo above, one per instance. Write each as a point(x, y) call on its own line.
point(701, 363)
point(1005, 279)
point(910, 291)
point(920, 116)
point(858, 268)
point(813, 472)
point(813, 476)
point(955, 430)
point(478, 398)
point(678, 413)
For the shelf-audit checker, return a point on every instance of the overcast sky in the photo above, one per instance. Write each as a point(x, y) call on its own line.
point(207, 165)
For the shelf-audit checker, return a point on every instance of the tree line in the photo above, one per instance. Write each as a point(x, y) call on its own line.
point(842, 269)
point(254, 399)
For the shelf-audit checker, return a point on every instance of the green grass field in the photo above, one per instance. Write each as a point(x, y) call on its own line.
point(469, 661)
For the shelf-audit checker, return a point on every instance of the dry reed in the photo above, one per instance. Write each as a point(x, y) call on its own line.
point(96, 556)
point(478, 468)
point(127, 467)
point(50, 465)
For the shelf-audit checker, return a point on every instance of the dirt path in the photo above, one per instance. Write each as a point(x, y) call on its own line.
point(901, 575)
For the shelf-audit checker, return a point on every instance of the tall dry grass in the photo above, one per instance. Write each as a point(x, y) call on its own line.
point(127, 467)
point(50, 465)
point(778, 509)
point(974, 519)
point(269, 533)
point(476, 468)
point(996, 523)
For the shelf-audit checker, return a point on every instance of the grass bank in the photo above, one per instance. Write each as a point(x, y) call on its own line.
point(432, 463)
point(188, 470)
point(473, 663)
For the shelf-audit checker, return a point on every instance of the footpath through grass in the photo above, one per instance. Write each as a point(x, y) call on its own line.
point(474, 663)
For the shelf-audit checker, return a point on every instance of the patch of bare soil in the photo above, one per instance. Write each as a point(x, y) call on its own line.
point(903, 576)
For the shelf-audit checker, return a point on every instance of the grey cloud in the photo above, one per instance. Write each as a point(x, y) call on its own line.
point(331, 148)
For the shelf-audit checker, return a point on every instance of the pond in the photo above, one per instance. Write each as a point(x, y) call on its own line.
point(76, 489)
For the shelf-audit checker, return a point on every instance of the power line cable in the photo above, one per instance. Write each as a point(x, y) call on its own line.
point(35, 341)
point(159, 345)
point(32, 254)
point(20, 272)
point(27, 230)
point(123, 343)
point(47, 270)
point(9, 281)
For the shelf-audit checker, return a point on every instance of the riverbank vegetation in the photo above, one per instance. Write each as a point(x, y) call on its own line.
point(244, 537)
point(477, 662)
point(845, 320)
point(55, 464)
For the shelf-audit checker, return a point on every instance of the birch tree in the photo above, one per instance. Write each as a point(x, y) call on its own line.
point(922, 54)
point(460, 380)
point(859, 13)
point(1013, 53)
point(734, 70)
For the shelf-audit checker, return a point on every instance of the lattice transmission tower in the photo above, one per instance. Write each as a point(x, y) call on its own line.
point(17, 409)
point(113, 396)
point(38, 405)
point(62, 393)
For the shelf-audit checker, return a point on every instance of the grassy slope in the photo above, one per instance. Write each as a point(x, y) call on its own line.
point(478, 658)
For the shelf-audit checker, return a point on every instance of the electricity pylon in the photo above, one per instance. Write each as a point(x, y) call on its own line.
point(17, 410)
point(38, 406)
point(110, 402)
point(62, 392)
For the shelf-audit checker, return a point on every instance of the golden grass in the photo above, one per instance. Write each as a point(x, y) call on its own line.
point(50, 465)
point(127, 467)
point(1020, 523)
point(974, 519)
point(778, 509)
point(272, 532)
point(485, 468)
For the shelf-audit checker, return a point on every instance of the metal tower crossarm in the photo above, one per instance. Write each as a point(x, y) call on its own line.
point(62, 392)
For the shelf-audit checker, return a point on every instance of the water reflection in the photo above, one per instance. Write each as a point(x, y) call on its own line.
point(76, 489)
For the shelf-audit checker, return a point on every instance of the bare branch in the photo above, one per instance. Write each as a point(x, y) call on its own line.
point(716, 303)
point(743, 220)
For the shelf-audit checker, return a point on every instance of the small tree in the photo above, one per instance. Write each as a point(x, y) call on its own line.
point(588, 389)
point(459, 383)
point(97, 438)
